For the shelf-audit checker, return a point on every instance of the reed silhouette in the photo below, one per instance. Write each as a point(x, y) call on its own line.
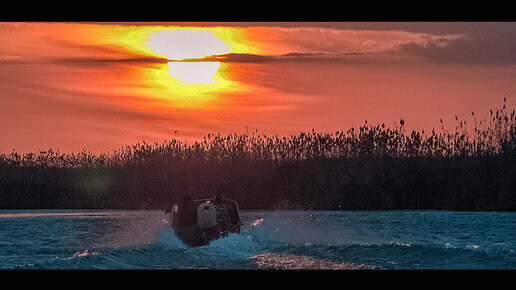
point(372, 167)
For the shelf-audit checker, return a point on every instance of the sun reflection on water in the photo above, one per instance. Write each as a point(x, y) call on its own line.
point(295, 262)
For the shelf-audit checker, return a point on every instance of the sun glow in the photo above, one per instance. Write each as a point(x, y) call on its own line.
point(186, 44)
point(189, 85)
point(187, 80)
point(194, 72)
point(180, 45)
point(177, 74)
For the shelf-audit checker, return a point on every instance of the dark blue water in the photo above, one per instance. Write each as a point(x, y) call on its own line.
point(60, 239)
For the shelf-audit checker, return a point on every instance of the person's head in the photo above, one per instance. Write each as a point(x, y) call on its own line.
point(219, 196)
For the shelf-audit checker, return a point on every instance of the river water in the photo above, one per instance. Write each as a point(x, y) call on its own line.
point(290, 240)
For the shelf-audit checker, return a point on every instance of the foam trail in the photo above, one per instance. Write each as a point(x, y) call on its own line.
point(235, 245)
point(168, 238)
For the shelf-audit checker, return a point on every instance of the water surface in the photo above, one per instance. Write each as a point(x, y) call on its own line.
point(111, 239)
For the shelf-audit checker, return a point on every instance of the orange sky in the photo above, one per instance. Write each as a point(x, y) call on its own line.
point(70, 86)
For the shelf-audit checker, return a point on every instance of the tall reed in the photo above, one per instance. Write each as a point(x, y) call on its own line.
point(152, 173)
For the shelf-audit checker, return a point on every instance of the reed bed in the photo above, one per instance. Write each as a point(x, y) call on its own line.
point(369, 167)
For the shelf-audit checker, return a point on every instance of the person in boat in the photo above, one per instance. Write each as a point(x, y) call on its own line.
point(187, 213)
point(228, 218)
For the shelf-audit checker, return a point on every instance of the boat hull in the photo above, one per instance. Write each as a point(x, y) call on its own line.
point(195, 236)
point(192, 236)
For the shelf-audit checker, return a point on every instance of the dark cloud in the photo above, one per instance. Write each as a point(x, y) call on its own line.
point(255, 58)
point(440, 42)
point(92, 61)
point(485, 43)
point(459, 43)
point(232, 57)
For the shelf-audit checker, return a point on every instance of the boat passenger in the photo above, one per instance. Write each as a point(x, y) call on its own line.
point(228, 219)
point(187, 213)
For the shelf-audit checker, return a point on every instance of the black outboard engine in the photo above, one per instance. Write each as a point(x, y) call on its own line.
point(213, 220)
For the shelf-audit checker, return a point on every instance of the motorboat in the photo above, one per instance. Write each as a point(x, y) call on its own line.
point(201, 221)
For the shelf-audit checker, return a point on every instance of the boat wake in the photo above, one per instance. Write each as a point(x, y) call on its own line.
point(249, 250)
point(268, 240)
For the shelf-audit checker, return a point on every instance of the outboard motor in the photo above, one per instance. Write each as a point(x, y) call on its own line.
point(206, 216)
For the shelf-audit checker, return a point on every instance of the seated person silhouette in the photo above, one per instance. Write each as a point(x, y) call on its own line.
point(228, 219)
point(187, 211)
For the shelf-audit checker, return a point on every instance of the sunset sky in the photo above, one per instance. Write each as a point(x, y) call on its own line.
point(100, 86)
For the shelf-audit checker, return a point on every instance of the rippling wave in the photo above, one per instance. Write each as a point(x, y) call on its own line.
point(269, 240)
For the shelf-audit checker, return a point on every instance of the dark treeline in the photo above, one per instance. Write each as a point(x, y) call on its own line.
point(365, 168)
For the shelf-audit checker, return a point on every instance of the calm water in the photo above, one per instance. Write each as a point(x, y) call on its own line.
point(59, 239)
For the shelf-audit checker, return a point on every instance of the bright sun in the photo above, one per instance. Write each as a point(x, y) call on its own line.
point(178, 45)
point(194, 72)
